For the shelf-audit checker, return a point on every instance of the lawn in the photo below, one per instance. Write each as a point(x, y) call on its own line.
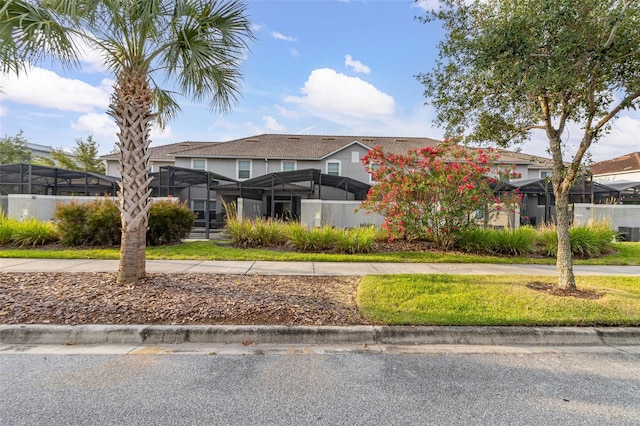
point(496, 300)
point(626, 254)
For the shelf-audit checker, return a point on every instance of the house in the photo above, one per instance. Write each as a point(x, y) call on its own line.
point(625, 168)
point(621, 175)
point(159, 156)
point(278, 171)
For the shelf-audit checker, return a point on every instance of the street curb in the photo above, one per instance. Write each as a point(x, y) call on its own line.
point(257, 334)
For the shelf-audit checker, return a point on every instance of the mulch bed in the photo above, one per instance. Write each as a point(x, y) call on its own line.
point(557, 291)
point(95, 298)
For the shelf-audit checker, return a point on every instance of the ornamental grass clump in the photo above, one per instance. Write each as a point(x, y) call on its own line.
point(476, 240)
point(257, 232)
point(314, 239)
point(357, 240)
point(590, 240)
point(32, 232)
point(514, 242)
point(6, 229)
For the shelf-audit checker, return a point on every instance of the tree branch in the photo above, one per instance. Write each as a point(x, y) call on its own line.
point(612, 34)
point(622, 105)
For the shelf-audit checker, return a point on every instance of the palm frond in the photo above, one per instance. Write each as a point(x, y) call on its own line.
point(30, 32)
point(166, 106)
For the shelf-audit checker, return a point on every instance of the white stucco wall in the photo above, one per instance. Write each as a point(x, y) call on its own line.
point(43, 207)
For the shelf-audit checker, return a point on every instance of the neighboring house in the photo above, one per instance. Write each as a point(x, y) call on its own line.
point(159, 156)
point(625, 168)
point(621, 175)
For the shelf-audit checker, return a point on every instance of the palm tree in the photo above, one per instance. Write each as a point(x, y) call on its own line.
point(198, 45)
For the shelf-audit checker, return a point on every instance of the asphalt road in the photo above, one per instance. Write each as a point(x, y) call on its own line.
point(305, 387)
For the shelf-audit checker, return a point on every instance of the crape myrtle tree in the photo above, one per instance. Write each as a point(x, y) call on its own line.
point(433, 193)
point(508, 68)
point(191, 47)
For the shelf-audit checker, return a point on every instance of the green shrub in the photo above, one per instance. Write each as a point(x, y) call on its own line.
point(590, 240)
point(6, 229)
point(169, 222)
point(240, 232)
point(32, 232)
point(547, 240)
point(103, 223)
point(269, 232)
point(71, 219)
point(313, 240)
point(476, 240)
point(357, 240)
point(98, 223)
point(514, 242)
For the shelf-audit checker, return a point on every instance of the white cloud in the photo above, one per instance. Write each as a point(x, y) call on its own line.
point(285, 112)
point(280, 36)
point(357, 66)
point(427, 5)
point(47, 89)
point(333, 95)
point(91, 59)
point(623, 138)
point(99, 125)
point(272, 125)
point(294, 53)
point(3, 111)
point(158, 133)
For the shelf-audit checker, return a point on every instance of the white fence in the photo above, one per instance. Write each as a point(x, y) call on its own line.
point(623, 218)
point(43, 207)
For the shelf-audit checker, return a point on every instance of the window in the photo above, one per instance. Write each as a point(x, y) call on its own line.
point(371, 170)
point(199, 164)
point(545, 174)
point(333, 168)
point(288, 166)
point(355, 156)
point(244, 169)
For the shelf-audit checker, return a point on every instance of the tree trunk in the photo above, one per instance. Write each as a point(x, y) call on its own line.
point(131, 109)
point(564, 261)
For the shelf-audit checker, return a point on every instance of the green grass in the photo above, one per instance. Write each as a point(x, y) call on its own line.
point(627, 254)
point(495, 300)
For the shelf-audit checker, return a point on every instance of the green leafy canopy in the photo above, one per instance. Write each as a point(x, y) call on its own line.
point(507, 67)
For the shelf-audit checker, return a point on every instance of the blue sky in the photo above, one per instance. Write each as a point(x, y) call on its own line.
point(335, 67)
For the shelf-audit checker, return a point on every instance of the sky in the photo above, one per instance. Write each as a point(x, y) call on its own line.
point(325, 67)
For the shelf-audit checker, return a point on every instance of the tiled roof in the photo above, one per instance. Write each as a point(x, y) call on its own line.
point(308, 147)
point(165, 152)
point(521, 157)
point(625, 163)
point(301, 147)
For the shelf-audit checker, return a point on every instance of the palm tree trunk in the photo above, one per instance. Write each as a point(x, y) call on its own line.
point(131, 108)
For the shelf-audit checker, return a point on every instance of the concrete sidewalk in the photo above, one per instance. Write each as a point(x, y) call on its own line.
point(303, 268)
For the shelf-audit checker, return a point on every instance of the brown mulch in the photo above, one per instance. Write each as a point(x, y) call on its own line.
point(557, 291)
point(95, 298)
